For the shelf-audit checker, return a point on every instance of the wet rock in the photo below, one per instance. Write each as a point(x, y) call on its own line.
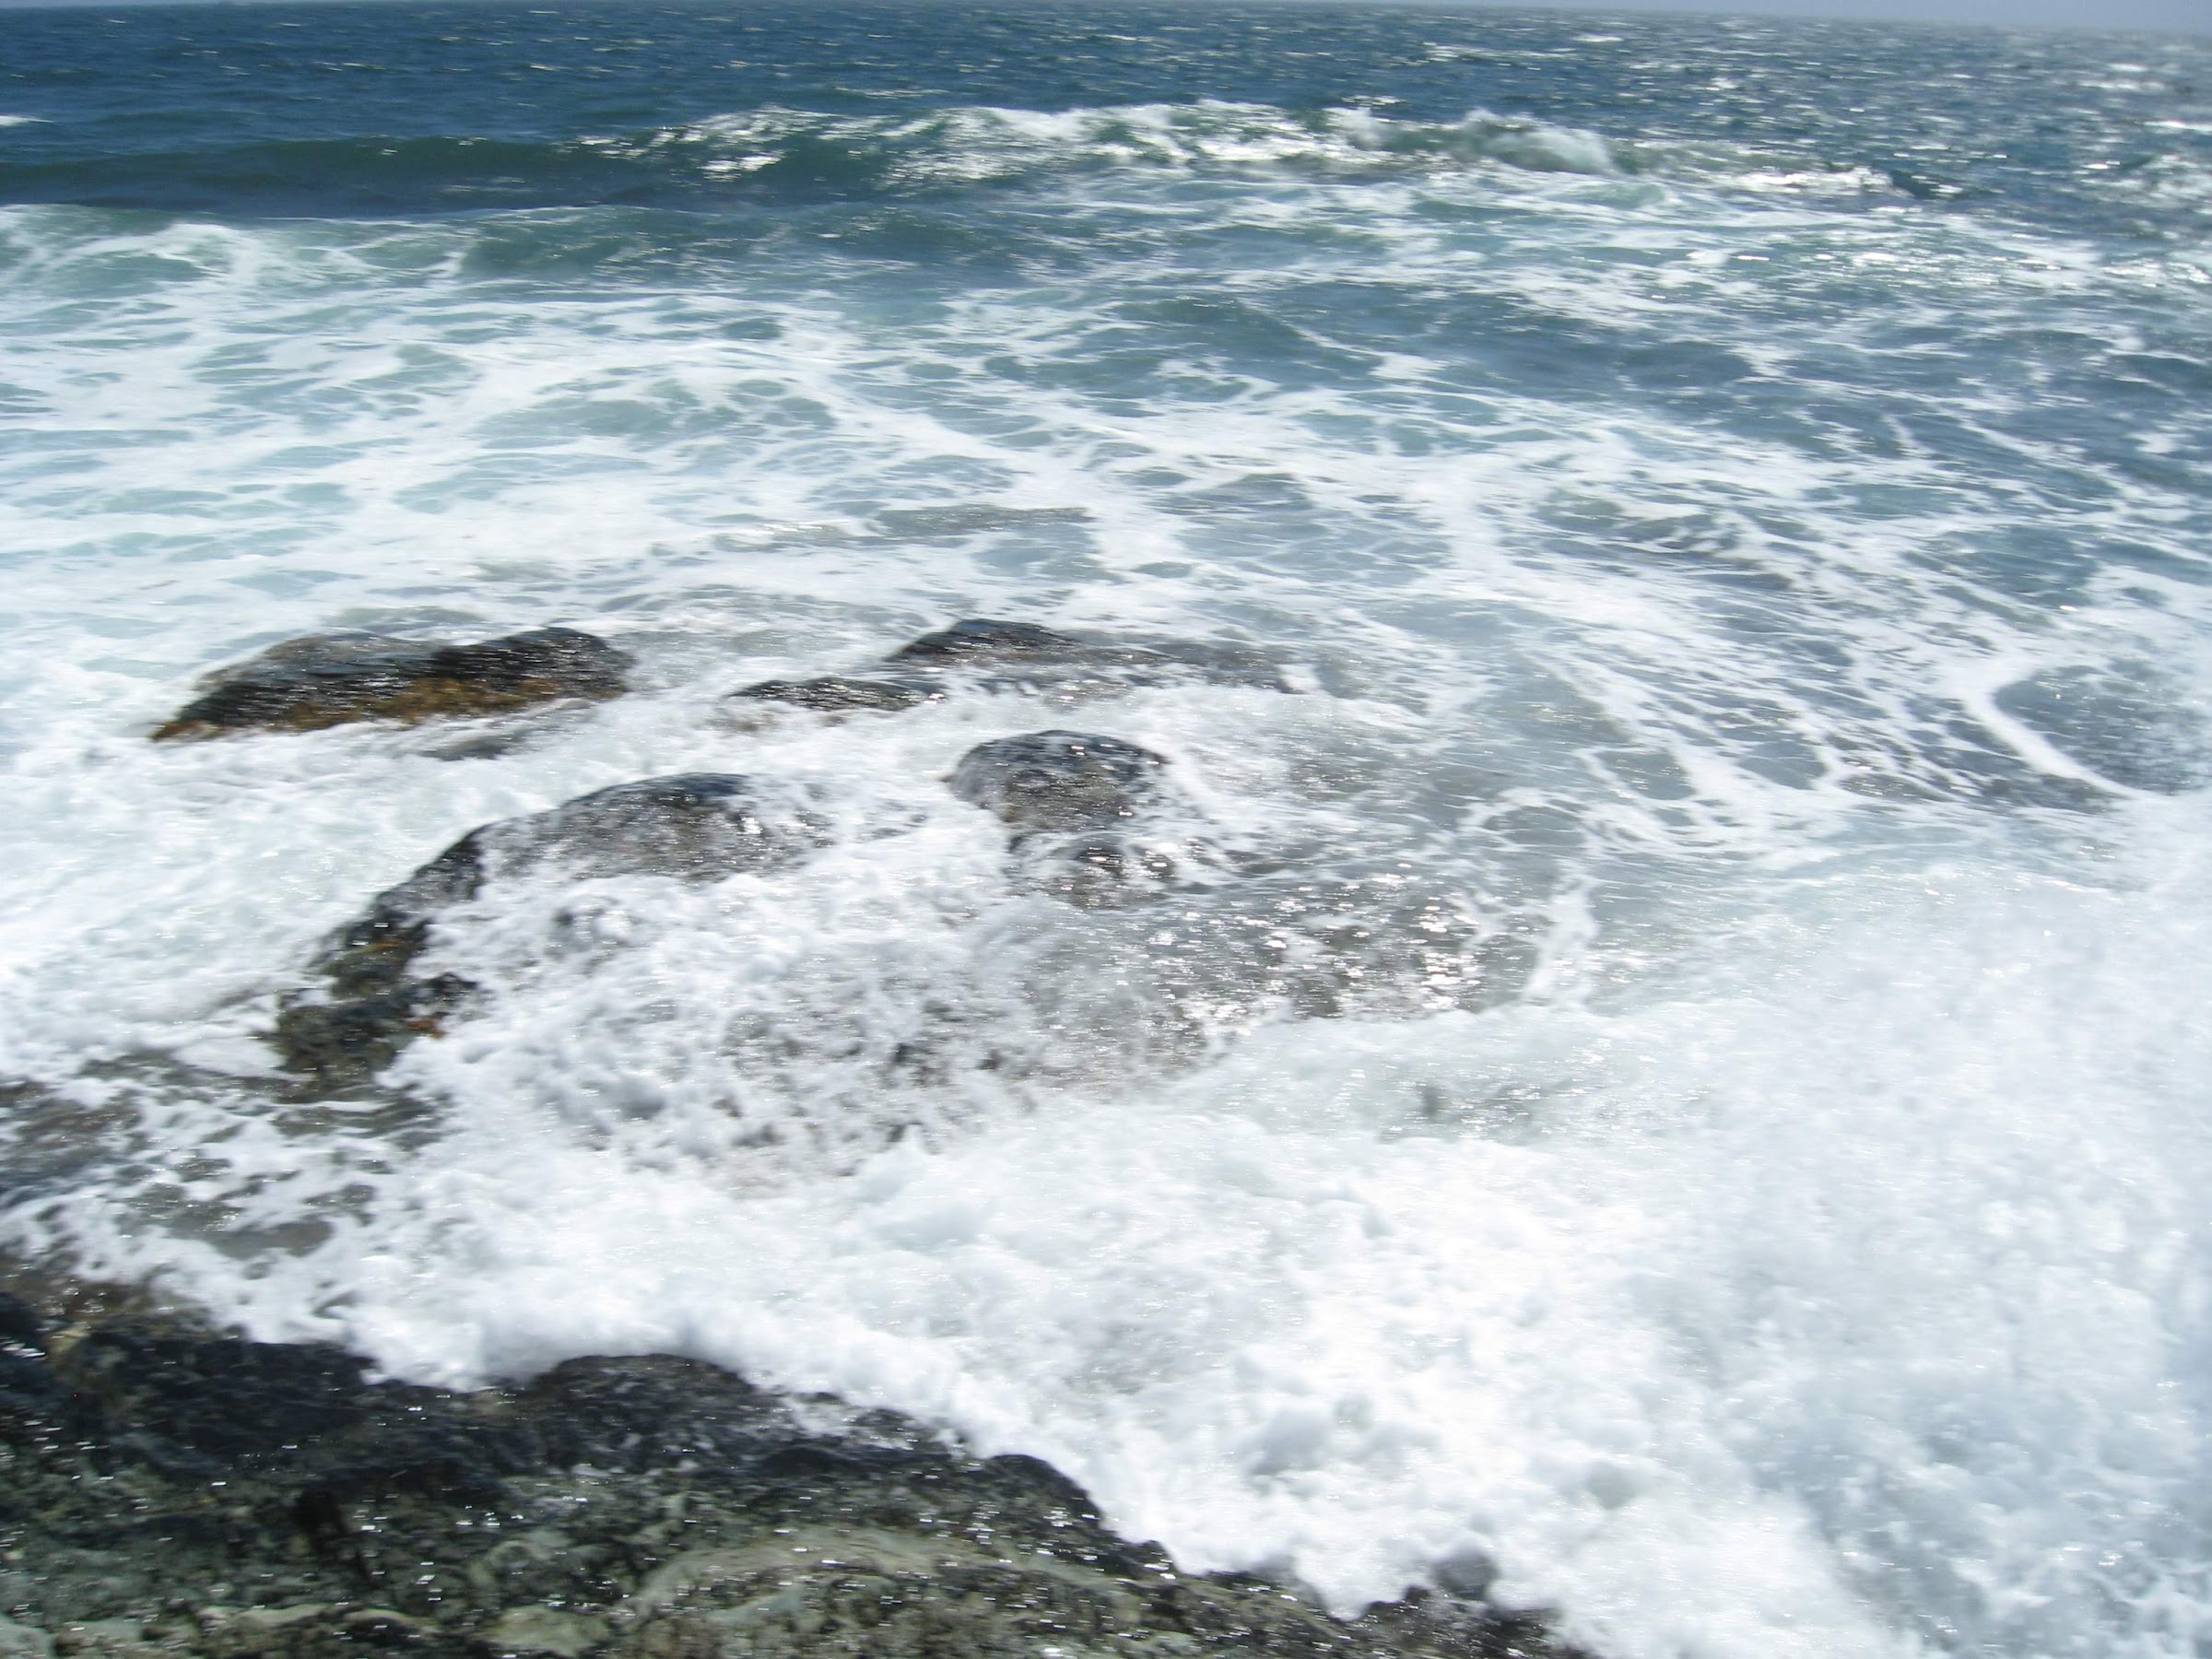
point(196, 1404)
point(27, 1388)
point(50, 1140)
point(204, 1495)
point(985, 654)
point(979, 640)
point(692, 827)
point(1060, 781)
point(327, 680)
point(1024, 656)
point(1073, 801)
point(834, 694)
point(542, 1630)
point(1098, 872)
point(21, 1327)
point(343, 1042)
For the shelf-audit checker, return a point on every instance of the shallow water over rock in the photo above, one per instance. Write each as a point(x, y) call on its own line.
point(1046, 782)
point(692, 827)
point(985, 656)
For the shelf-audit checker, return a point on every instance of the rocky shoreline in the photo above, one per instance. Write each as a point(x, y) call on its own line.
point(1082, 809)
point(167, 1489)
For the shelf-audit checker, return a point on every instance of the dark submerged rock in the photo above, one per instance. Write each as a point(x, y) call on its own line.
point(205, 1495)
point(834, 694)
point(980, 639)
point(326, 680)
point(987, 654)
point(1097, 872)
point(1073, 801)
point(693, 827)
point(21, 1326)
point(1023, 655)
point(1060, 781)
point(28, 1388)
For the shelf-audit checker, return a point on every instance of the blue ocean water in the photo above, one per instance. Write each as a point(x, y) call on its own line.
point(1675, 1076)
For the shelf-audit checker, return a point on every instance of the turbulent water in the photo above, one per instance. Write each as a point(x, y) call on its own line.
point(1672, 1078)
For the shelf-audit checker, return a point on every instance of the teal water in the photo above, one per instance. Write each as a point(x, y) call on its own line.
point(1730, 498)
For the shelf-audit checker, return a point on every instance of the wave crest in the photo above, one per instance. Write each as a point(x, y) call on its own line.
point(986, 143)
point(789, 154)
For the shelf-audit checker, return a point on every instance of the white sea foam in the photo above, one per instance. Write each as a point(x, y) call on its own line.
point(1746, 1197)
point(1856, 1274)
point(985, 143)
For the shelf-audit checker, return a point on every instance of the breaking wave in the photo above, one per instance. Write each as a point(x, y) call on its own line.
point(775, 155)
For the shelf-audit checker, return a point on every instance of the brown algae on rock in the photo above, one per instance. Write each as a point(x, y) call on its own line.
point(331, 679)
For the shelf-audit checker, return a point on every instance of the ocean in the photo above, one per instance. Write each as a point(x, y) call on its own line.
point(1662, 1065)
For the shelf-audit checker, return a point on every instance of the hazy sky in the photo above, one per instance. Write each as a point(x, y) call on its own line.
point(2191, 17)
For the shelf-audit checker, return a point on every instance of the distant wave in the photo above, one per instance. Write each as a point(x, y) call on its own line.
point(981, 143)
point(776, 154)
